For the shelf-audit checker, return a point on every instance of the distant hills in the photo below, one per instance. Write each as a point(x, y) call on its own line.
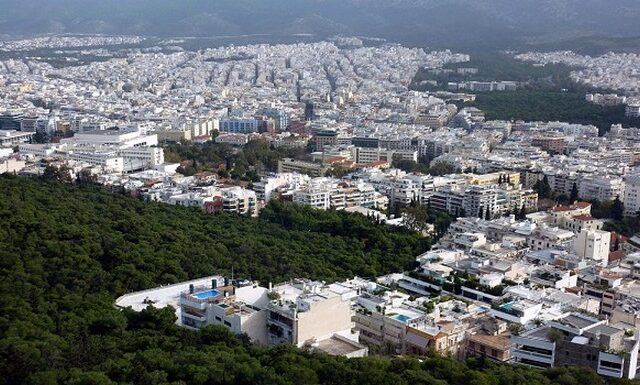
point(454, 23)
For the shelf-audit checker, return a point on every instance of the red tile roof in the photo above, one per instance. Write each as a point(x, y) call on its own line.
point(575, 206)
point(583, 218)
point(616, 255)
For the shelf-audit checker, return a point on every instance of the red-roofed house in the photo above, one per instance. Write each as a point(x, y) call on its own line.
point(575, 217)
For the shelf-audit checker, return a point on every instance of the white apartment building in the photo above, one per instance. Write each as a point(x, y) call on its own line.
point(366, 155)
point(107, 159)
point(318, 197)
point(240, 309)
point(10, 138)
point(593, 244)
point(269, 185)
point(239, 200)
point(38, 150)
point(632, 195)
point(478, 199)
point(191, 199)
point(142, 157)
point(549, 237)
point(632, 111)
point(600, 187)
point(310, 313)
point(120, 138)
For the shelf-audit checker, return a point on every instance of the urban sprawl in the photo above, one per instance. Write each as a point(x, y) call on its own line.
point(517, 277)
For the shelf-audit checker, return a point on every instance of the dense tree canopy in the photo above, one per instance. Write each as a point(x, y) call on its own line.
point(242, 163)
point(546, 93)
point(67, 252)
point(550, 106)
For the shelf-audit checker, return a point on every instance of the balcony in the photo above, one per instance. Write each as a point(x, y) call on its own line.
point(186, 300)
point(195, 317)
point(545, 359)
point(610, 372)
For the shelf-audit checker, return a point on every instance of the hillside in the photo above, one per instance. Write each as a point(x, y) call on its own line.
point(455, 23)
point(66, 253)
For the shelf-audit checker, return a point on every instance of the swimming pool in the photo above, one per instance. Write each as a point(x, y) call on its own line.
point(402, 318)
point(207, 294)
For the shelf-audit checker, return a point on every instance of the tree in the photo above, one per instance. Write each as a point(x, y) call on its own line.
point(523, 213)
point(41, 137)
point(488, 214)
point(57, 173)
point(72, 251)
point(406, 165)
point(555, 335)
point(416, 217)
point(574, 193)
point(617, 210)
point(481, 212)
point(543, 188)
point(516, 329)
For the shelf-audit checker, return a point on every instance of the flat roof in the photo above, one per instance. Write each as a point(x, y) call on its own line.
point(496, 342)
point(338, 346)
point(162, 296)
point(605, 329)
point(579, 322)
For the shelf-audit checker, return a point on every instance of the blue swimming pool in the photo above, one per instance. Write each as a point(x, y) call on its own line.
point(207, 294)
point(402, 318)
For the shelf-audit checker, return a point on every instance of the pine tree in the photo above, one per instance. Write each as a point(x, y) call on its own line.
point(543, 188)
point(481, 212)
point(617, 210)
point(488, 214)
point(574, 193)
point(523, 213)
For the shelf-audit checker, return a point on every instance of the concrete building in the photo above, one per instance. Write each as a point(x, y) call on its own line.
point(632, 196)
point(10, 138)
point(579, 340)
point(239, 125)
point(307, 313)
point(11, 165)
point(301, 167)
point(593, 244)
point(240, 308)
point(550, 237)
point(239, 200)
point(632, 111)
point(120, 138)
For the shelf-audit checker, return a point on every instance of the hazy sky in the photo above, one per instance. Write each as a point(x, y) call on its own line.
point(415, 21)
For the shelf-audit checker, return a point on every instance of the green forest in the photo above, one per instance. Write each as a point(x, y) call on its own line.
point(546, 94)
point(534, 105)
point(66, 253)
point(493, 66)
point(239, 163)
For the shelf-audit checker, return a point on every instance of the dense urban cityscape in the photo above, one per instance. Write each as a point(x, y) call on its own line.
point(500, 242)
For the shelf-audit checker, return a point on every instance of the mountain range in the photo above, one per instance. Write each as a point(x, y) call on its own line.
point(455, 23)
